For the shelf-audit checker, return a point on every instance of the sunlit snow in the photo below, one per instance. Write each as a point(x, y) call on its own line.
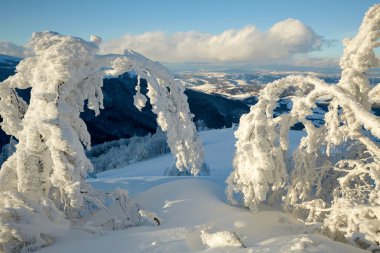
point(186, 206)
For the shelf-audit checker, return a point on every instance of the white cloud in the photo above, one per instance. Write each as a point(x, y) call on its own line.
point(287, 42)
point(279, 44)
point(9, 48)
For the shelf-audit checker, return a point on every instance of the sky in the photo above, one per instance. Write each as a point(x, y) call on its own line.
point(197, 31)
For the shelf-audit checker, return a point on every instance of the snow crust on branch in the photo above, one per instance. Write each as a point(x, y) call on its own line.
point(332, 178)
point(169, 104)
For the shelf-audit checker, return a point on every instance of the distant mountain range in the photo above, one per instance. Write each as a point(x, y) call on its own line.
point(121, 119)
point(217, 100)
point(243, 86)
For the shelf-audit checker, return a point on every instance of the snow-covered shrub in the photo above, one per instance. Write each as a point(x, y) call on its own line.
point(26, 225)
point(169, 104)
point(333, 177)
point(118, 211)
point(111, 155)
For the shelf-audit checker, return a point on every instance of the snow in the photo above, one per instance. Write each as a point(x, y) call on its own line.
point(207, 87)
point(221, 239)
point(44, 198)
point(44, 179)
point(186, 206)
point(332, 180)
point(170, 105)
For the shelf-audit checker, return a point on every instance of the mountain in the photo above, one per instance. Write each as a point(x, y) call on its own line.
point(121, 119)
point(246, 85)
point(7, 66)
point(217, 100)
point(232, 85)
point(214, 110)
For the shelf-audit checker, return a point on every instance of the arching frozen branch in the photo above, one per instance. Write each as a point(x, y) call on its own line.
point(170, 105)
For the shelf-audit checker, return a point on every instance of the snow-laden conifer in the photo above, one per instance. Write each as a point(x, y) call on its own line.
point(333, 177)
point(42, 183)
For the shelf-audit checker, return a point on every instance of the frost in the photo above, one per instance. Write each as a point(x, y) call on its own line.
point(169, 104)
point(119, 212)
point(42, 183)
point(332, 178)
point(139, 99)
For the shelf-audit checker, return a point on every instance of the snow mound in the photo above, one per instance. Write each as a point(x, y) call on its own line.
point(221, 239)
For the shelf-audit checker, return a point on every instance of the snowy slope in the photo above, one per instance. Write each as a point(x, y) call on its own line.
point(187, 206)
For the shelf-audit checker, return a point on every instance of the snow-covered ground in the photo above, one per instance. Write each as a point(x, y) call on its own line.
point(193, 213)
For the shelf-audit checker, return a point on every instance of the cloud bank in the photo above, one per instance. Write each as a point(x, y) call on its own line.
point(9, 48)
point(286, 43)
point(279, 44)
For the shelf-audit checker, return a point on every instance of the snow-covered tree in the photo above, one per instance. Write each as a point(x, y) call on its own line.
point(333, 177)
point(42, 183)
point(170, 105)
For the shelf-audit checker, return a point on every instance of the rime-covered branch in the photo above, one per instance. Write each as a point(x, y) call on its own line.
point(170, 105)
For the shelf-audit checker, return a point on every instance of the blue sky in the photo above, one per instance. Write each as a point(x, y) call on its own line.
point(332, 20)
